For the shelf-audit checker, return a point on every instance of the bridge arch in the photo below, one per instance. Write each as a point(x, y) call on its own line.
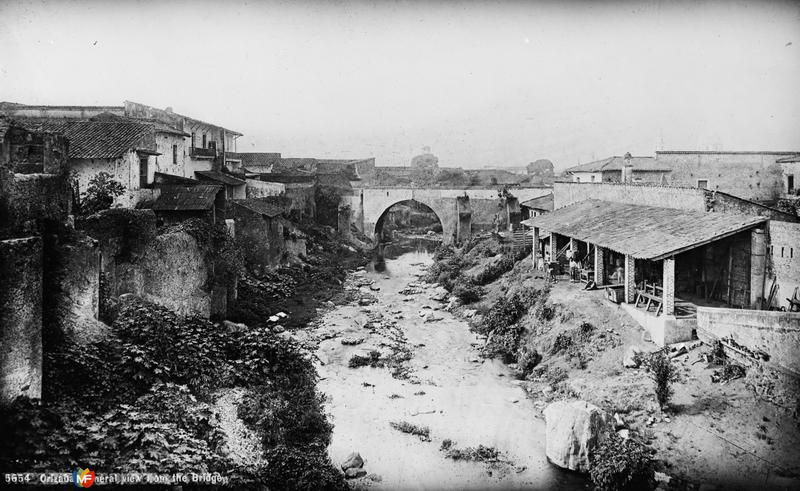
point(379, 224)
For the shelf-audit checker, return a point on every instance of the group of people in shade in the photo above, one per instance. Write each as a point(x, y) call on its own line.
point(546, 264)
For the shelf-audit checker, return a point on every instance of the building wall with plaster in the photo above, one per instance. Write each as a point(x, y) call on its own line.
point(785, 260)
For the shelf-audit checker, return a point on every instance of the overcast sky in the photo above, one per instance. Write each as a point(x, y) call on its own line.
point(481, 83)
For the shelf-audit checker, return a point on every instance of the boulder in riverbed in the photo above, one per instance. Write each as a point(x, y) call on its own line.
point(353, 461)
point(574, 431)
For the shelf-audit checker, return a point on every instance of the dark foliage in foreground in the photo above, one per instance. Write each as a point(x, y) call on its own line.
point(140, 402)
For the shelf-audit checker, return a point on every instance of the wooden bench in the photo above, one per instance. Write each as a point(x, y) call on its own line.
point(655, 300)
point(587, 275)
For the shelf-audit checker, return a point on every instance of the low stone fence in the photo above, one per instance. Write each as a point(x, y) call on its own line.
point(772, 337)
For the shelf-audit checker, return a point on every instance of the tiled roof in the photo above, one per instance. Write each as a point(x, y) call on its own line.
point(258, 160)
point(616, 163)
point(264, 207)
point(98, 139)
point(787, 160)
point(186, 198)
point(219, 177)
point(540, 203)
point(644, 232)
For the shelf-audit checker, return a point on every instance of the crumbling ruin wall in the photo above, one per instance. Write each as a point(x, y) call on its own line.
point(20, 319)
point(260, 239)
point(72, 290)
point(36, 198)
point(755, 332)
point(174, 273)
point(168, 269)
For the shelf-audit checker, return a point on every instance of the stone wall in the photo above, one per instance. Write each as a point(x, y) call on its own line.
point(785, 260)
point(20, 319)
point(749, 175)
point(566, 193)
point(775, 334)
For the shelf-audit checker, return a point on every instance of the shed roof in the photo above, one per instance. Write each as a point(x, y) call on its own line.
point(186, 198)
point(220, 177)
point(541, 203)
point(616, 163)
point(644, 232)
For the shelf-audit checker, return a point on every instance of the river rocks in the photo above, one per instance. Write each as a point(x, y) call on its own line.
point(432, 317)
point(353, 461)
point(353, 466)
point(354, 473)
point(352, 340)
point(367, 300)
point(439, 294)
point(631, 358)
point(574, 430)
point(234, 327)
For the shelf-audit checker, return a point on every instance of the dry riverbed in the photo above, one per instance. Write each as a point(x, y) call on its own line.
point(429, 374)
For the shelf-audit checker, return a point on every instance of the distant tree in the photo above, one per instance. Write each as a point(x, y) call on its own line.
point(541, 167)
point(100, 193)
point(426, 160)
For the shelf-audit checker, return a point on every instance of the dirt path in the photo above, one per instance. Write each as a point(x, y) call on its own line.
point(446, 387)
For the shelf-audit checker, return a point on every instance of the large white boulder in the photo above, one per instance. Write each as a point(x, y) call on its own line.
point(574, 430)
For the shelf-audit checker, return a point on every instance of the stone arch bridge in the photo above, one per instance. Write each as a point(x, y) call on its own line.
point(459, 209)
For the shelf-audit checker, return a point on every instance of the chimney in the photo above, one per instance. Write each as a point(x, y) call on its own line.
point(627, 168)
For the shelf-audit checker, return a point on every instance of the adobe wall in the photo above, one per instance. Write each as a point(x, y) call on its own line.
point(20, 319)
point(785, 260)
point(753, 176)
point(776, 334)
point(566, 193)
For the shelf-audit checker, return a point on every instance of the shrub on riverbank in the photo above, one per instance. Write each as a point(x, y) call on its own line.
point(501, 322)
point(663, 373)
point(497, 269)
point(467, 292)
point(621, 465)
